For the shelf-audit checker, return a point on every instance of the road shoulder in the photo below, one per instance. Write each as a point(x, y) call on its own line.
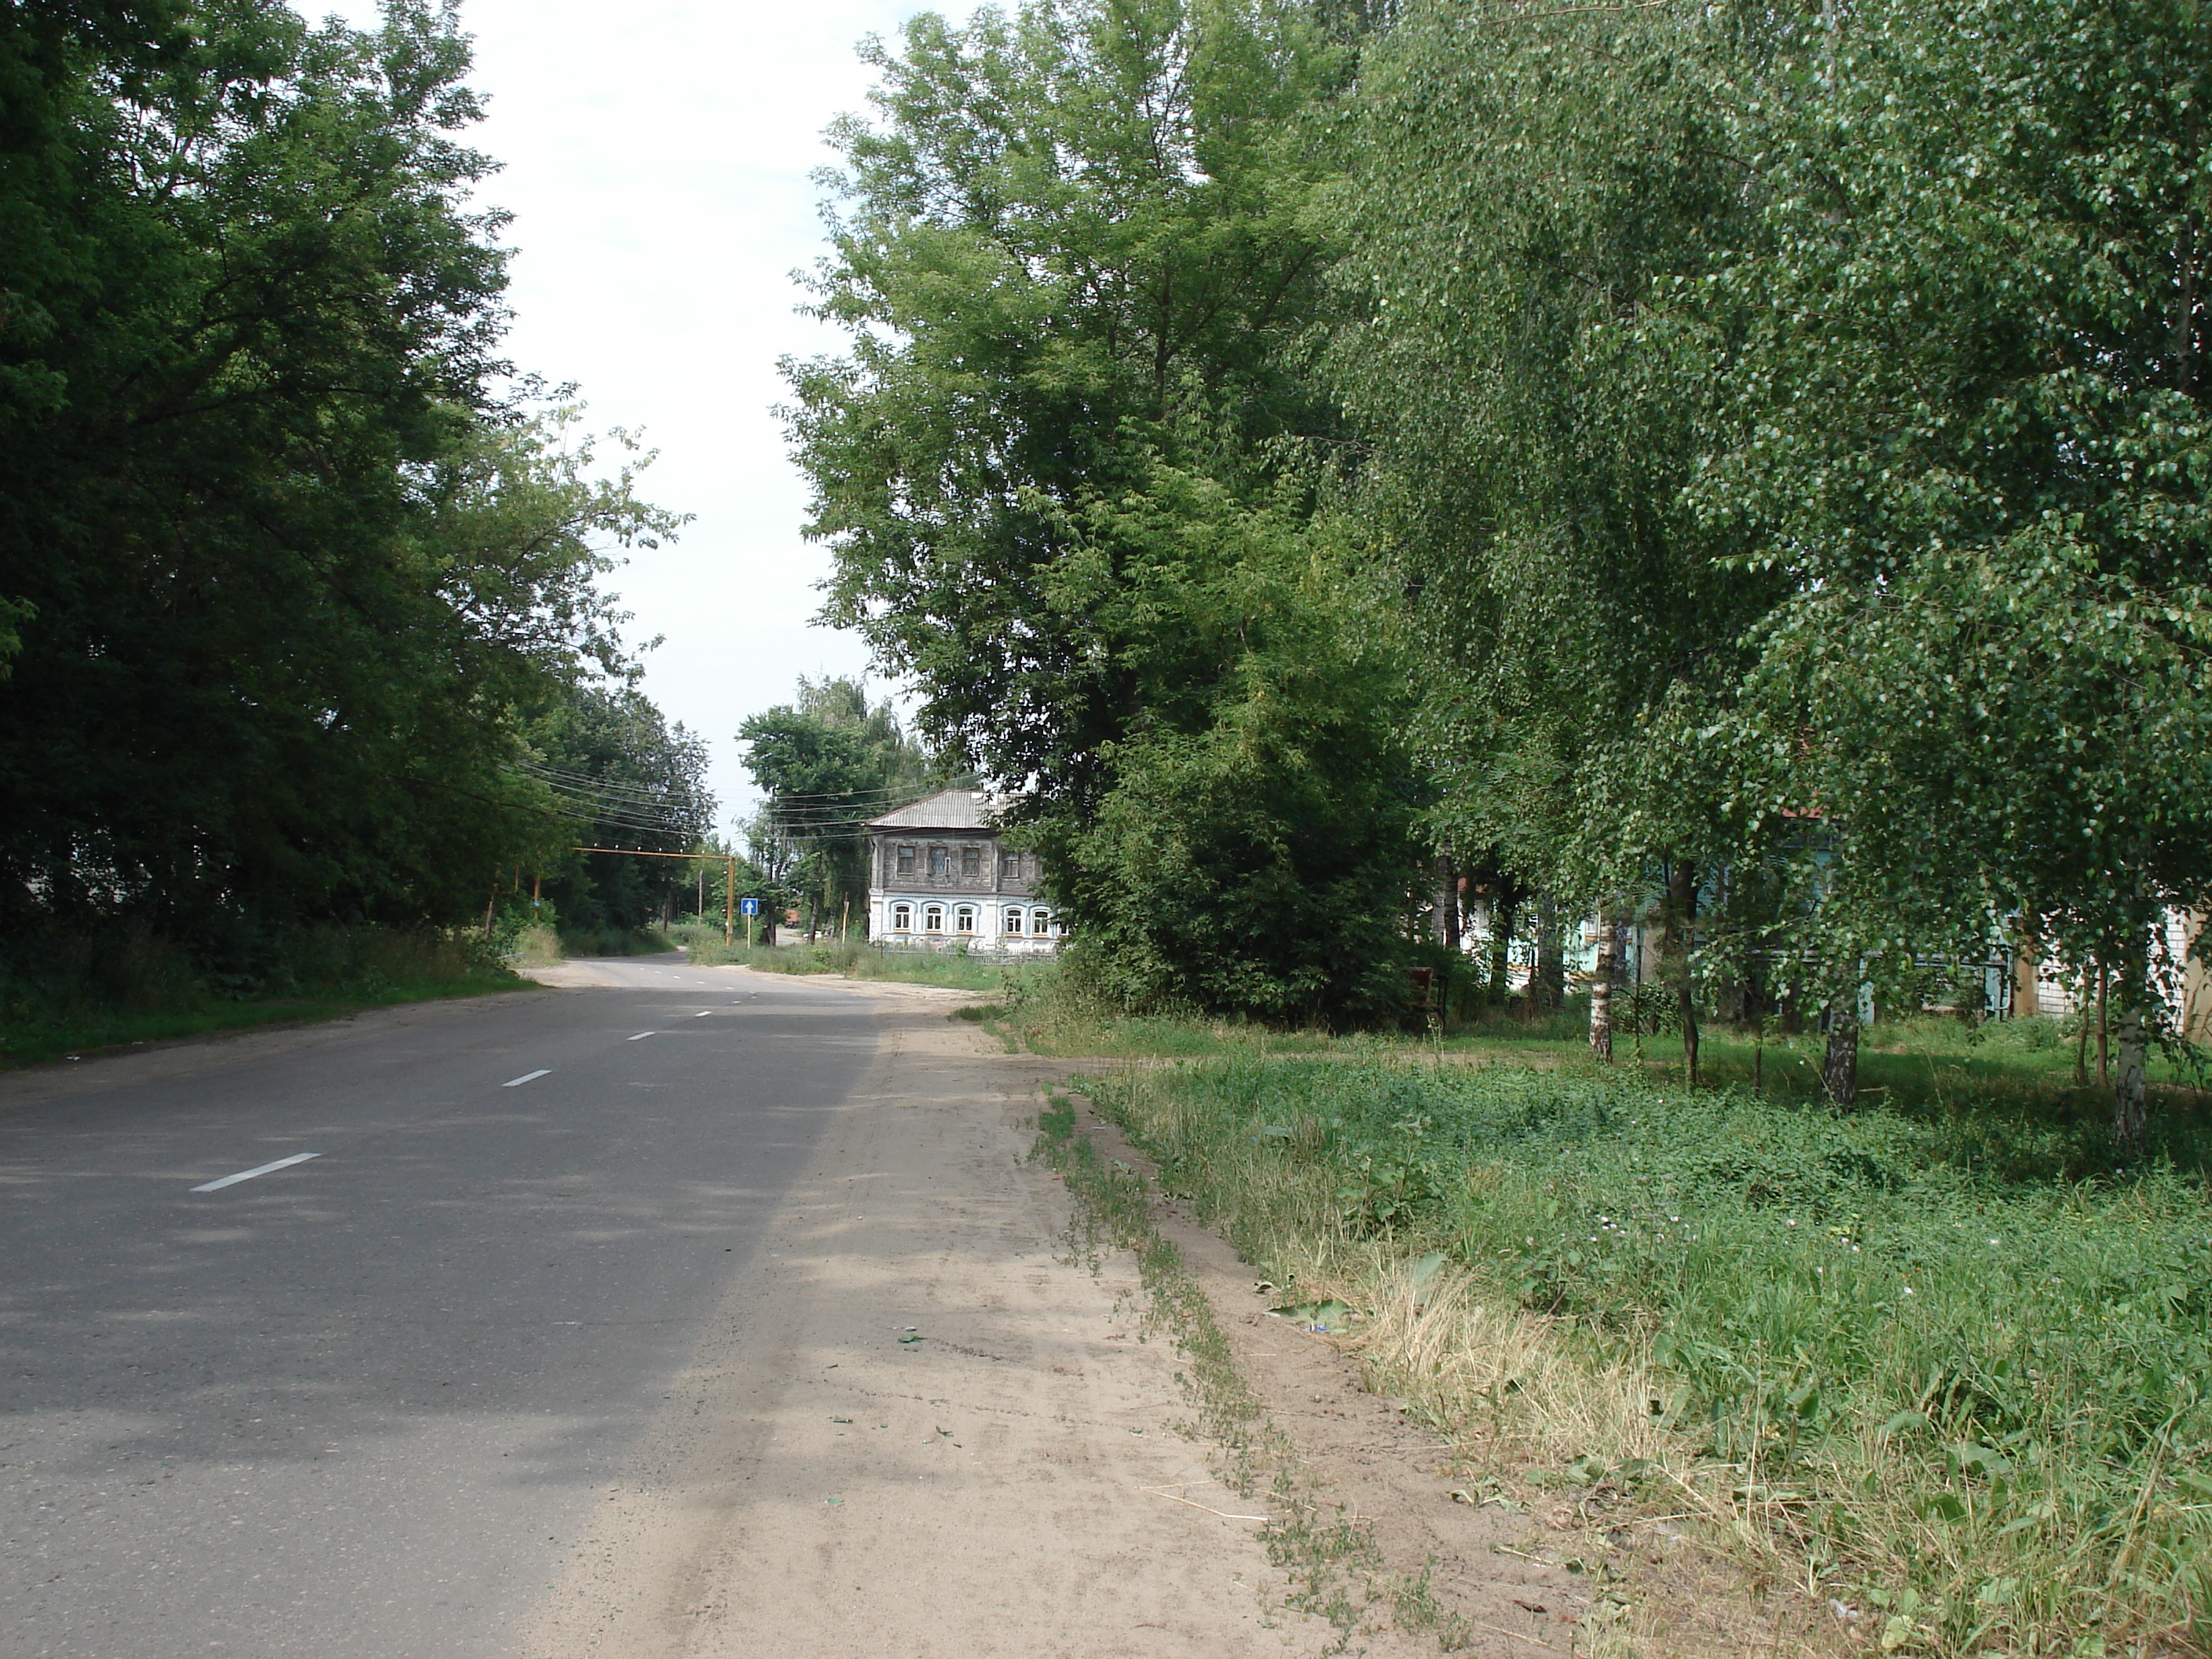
point(914, 1426)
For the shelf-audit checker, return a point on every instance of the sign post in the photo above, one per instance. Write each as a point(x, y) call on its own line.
point(751, 908)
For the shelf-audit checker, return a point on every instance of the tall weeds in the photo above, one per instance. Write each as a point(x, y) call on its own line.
point(1952, 1369)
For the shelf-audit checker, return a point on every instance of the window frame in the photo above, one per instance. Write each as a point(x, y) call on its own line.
point(932, 918)
point(1013, 927)
point(901, 918)
point(964, 921)
point(903, 858)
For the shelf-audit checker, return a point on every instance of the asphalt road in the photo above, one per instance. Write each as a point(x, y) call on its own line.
point(359, 1404)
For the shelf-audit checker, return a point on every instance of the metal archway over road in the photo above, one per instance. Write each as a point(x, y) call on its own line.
point(729, 887)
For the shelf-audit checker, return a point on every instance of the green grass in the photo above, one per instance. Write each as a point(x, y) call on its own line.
point(1336, 1570)
point(78, 995)
point(1006, 978)
point(1955, 1361)
point(1929, 1063)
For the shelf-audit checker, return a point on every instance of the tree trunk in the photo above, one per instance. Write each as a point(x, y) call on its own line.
point(2129, 988)
point(1839, 1066)
point(1501, 919)
point(2104, 1028)
point(1608, 965)
point(1548, 989)
point(1446, 914)
point(1681, 928)
point(2196, 985)
point(2129, 1112)
point(2027, 966)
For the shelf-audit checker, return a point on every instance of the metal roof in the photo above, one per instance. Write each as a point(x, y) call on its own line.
point(948, 809)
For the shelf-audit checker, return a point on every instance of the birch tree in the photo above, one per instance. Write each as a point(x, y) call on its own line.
point(1968, 428)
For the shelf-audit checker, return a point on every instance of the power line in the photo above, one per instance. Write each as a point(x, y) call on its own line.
point(620, 801)
point(643, 793)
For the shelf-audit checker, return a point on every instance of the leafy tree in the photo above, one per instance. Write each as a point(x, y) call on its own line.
point(1074, 260)
point(1255, 862)
point(829, 763)
point(621, 777)
point(1968, 428)
point(1525, 193)
point(1067, 225)
point(281, 576)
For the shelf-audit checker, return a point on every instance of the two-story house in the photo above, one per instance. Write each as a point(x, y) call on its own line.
point(940, 875)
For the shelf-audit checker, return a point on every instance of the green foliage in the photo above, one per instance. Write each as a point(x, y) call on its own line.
point(1969, 1363)
point(1520, 193)
point(1063, 476)
point(852, 959)
point(1966, 418)
point(617, 774)
point(1251, 853)
point(68, 992)
point(280, 576)
point(828, 764)
point(1063, 220)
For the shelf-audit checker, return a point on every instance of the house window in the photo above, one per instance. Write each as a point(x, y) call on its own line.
point(971, 860)
point(963, 919)
point(1013, 922)
point(906, 860)
point(901, 918)
point(1040, 923)
point(937, 861)
point(932, 918)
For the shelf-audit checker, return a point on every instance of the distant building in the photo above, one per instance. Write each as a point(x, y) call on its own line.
point(939, 875)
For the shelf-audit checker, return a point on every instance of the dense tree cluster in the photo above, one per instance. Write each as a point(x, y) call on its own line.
point(1735, 466)
point(827, 763)
point(299, 613)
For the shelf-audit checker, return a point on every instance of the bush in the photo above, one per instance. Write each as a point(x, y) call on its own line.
point(64, 990)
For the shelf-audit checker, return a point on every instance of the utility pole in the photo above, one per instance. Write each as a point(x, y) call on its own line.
point(729, 906)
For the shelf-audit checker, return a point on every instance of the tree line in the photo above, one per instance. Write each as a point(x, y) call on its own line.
point(1734, 468)
point(301, 618)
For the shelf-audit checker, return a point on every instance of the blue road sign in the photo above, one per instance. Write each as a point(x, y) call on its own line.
point(750, 907)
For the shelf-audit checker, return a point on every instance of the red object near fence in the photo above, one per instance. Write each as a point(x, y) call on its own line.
point(1423, 980)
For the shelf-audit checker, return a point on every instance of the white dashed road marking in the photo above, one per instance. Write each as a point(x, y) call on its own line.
point(527, 1076)
point(248, 1175)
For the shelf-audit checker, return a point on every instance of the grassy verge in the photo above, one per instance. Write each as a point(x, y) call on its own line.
point(1947, 1368)
point(1925, 1065)
point(1335, 1569)
point(855, 960)
point(77, 996)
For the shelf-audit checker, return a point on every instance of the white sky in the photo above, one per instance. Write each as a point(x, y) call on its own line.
point(656, 155)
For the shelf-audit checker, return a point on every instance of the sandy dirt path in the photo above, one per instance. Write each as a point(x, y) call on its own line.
point(913, 1428)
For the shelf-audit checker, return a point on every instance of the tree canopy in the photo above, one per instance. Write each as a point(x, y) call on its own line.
point(1737, 468)
point(287, 561)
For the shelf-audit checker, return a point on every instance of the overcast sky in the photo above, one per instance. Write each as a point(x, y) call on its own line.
point(656, 155)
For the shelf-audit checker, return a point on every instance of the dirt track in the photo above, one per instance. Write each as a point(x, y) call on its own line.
point(915, 1429)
